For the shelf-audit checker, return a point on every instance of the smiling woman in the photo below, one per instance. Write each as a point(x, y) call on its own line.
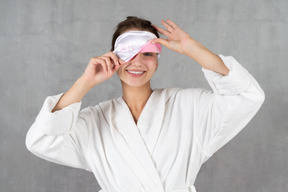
point(135, 48)
point(146, 140)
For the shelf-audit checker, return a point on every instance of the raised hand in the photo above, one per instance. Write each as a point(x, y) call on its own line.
point(178, 40)
point(98, 70)
point(101, 68)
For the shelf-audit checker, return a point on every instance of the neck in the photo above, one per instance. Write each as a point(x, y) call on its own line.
point(136, 97)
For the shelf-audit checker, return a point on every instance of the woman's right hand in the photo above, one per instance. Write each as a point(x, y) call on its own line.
point(98, 70)
point(101, 68)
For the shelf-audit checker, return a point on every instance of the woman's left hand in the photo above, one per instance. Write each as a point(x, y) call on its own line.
point(178, 40)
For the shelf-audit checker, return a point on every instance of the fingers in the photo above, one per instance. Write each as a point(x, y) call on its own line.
point(172, 24)
point(113, 57)
point(96, 61)
point(108, 64)
point(168, 27)
point(161, 41)
point(112, 61)
point(162, 31)
point(115, 68)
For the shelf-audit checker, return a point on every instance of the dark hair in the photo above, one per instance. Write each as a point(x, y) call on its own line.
point(130, 23)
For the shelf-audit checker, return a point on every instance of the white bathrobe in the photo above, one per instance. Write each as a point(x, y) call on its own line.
point(177, 131)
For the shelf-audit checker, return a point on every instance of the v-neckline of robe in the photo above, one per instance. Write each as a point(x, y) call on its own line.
point(149, 122)
point(129, 138)
point(142, 112)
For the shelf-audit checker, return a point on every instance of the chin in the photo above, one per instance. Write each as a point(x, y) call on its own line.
point(134, 84)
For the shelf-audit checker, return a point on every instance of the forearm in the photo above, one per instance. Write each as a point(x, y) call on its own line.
point(205, 57)
point(74, 94)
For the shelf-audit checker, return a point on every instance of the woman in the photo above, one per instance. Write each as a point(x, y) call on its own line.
point(146, 140)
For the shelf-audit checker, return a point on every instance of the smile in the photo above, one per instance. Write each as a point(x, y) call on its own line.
point(135, 73)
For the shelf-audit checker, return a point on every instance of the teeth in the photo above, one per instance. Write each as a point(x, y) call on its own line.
point(136, 72)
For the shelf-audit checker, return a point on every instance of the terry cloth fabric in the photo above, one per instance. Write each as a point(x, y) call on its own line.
point(178, 130)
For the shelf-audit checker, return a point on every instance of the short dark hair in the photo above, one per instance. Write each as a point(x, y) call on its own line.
point(130, 23)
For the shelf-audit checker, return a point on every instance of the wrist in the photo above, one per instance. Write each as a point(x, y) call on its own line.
point(73, 95)
point(83, 85)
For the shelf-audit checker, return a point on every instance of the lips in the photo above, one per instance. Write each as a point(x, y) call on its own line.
point(135, 73)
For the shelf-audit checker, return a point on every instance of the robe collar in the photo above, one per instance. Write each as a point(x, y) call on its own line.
point(137, 142)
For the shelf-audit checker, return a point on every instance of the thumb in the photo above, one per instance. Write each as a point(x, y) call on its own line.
point(115, 68)
point(161, 41)
point(121, 61)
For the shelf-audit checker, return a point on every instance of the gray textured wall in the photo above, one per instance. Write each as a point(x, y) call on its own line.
point(46, 45)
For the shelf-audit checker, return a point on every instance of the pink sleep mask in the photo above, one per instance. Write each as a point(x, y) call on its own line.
point(131, 43)
point(151, 47)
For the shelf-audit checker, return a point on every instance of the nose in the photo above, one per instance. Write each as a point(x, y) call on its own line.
point(135, 60)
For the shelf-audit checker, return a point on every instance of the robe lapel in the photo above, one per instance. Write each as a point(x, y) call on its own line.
point(150, 122)
point(129, 140)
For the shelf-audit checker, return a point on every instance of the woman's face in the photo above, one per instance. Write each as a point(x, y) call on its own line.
point(138, 71)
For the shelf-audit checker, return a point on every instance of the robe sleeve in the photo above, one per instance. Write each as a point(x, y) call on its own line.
point(221, 113)
point(60, 137)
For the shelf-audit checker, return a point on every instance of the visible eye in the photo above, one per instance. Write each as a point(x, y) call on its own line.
point(148, 54)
